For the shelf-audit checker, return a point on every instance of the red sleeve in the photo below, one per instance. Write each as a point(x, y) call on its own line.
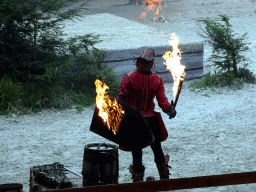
point(162, 99)
point(124, 89)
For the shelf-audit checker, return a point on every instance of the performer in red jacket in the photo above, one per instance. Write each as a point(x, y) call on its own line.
point(138, 89)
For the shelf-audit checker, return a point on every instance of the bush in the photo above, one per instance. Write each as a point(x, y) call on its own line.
point(10, 92)
point(217, 80)
point(46, 57)
point(88, 68)
point(222, 40)
point(246, 75)
point(33, 96)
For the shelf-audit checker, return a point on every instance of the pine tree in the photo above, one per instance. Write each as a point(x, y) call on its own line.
point(34, 53)
point(221, 38)
point(29, 39)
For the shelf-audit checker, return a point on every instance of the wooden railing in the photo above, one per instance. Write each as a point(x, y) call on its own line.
point(173, 184)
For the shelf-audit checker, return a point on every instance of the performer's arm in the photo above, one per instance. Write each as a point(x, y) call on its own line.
point(124, 90)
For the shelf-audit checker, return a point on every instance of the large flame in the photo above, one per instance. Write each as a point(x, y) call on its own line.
point(173, 63)
point(109, 110)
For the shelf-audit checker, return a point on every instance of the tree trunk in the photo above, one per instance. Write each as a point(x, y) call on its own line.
point(235, 67)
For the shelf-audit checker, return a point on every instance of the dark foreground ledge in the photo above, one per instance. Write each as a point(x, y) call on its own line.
point(174, 184)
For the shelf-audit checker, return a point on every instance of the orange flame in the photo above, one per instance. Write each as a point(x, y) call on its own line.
point(157, 10)
point(173, 63)
point(109, 110)
point(143, 15)
point(151, 7)
point(152, 3)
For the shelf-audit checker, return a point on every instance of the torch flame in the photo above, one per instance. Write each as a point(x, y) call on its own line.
point(109, 110)
point(173, 63)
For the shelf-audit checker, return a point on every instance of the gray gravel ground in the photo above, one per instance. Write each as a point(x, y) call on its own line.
point(213, 133)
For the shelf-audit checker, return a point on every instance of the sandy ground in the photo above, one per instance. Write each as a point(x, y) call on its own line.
point(212, 133)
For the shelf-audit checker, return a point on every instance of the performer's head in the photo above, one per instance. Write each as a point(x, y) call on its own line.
point(145, 58)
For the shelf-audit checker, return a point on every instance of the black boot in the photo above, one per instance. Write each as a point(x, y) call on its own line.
point(137, 175)
point(163, 168)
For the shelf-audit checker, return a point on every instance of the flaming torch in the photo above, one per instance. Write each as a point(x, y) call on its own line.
point(109, 110)
point(177, 70)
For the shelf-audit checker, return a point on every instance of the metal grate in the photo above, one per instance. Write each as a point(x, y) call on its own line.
point(52, 176)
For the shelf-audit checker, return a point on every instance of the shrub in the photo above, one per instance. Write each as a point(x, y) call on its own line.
point(10, 92)
point(222, 40)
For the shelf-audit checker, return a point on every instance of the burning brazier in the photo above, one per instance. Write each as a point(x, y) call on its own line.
point(133, 131)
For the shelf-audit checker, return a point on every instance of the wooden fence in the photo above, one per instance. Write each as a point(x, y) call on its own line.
point(173, 184)
point(192, 58)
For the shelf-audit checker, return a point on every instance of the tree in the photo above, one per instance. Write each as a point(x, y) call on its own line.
point(223, 41)
point(52, 72)
point(29, 39)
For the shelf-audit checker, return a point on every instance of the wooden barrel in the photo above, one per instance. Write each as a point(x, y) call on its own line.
point(100, 164)
point(11, 187)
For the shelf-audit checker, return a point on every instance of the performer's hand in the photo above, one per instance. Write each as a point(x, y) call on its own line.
point(172, 113)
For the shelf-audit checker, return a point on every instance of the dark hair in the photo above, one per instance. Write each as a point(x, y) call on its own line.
point(144, 64)
point(144, 61)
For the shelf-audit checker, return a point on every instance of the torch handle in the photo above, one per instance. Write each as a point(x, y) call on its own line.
point(177, 96)
point(178, 93)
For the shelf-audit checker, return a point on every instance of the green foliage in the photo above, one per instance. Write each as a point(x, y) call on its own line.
point(33, 94)
point(10, 92)
point(29, 38)
point(87, 69)
point(246, 75)
point(217, 80)
point(222, 40)
point(206, 95)
point(52, 72)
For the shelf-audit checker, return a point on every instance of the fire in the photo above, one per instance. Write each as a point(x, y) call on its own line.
point(109, 110)
point(157, 11)
point(143, 15)
point(152, 3)
point(173, 63)
point(151, 7)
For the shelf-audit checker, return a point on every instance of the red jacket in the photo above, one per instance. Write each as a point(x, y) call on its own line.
point(138, 89)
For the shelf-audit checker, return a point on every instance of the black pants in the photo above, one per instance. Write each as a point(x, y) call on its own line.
point(156, 146)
